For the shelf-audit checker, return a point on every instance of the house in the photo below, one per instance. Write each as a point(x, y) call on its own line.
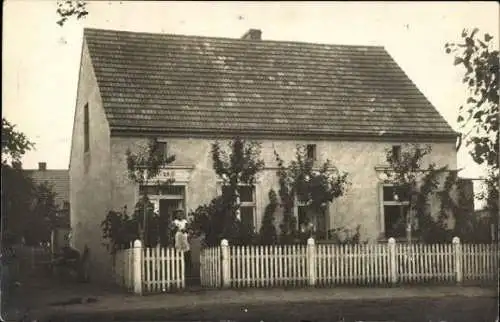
point(58, 181)
point(345, 103)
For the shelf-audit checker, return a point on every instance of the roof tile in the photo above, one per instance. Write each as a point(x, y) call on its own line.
point(192, 83)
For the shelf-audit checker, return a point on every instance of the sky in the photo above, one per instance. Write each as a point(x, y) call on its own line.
point(41, 59)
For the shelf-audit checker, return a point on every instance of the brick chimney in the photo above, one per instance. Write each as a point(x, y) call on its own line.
point(253, 34)
point(42, 166)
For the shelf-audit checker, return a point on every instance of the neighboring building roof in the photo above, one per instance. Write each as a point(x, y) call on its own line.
point(59, 179)
point(190, 84)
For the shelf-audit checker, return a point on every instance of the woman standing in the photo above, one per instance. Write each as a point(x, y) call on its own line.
point(182, 242)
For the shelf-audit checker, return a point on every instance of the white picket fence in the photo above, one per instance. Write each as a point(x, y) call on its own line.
point(149, 270)
point(163, 270)
point(328, 264)
point(210, 267)
point(478, 262)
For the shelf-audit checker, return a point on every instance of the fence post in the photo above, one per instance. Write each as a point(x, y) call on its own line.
point(311, 261)
point(457, 251)
point(137, 266)
point(392, 261)
point(226, 269)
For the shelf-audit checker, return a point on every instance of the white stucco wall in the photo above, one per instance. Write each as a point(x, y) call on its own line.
point(360, 205)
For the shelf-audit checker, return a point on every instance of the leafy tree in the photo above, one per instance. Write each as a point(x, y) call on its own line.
point(121, 229)
point(236, 165)
point(71, 8)
point(43, 215)
point(142, 168)
point(416, 184)
point(314, 187)
point(16, 200)
point(207, 219)
point(268, 233)
point(14, 143)
point(478, 117)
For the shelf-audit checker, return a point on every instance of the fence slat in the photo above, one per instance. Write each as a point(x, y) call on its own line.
point(275, 265)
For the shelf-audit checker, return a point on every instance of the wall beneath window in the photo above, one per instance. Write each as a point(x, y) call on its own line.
point(360, 205)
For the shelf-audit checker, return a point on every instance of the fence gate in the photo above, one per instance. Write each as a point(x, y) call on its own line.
point(210, 267)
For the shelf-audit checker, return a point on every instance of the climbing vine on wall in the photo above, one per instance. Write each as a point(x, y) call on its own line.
point(406, 171)
point(236, 164)
point(313, 186)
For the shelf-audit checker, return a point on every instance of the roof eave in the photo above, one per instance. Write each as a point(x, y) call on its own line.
point(134, 131)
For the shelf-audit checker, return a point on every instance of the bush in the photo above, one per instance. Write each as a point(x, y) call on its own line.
point(344, 236)
point(209, 220)
point(121, 229)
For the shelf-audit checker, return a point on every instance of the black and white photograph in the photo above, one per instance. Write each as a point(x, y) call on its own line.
point(250, 161)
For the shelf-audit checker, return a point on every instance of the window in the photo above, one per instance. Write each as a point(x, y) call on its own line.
point(311, 151)
point(247, 205)
point(303, 221)
point(162, 149)
point(396, 152)
point(306, 217)
point(86, 142)
point(394, 208)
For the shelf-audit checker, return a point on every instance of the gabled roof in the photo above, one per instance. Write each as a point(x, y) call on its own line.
point(58, 179)
point(160, 82)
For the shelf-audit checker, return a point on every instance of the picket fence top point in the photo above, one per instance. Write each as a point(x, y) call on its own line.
point(456, 240)
point(392, 240)
point(310, 241)
point(224, 242)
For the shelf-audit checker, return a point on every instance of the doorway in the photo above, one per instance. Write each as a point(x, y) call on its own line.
point(167, 208)
point(167, 202)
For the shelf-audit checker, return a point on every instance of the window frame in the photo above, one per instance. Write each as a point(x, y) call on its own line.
point(396, 152)
point(155, 198)
point(298, 204)
point(247, 204)
point(314, 148)
point(86, 128)
point(165, 148)
point(384, 203)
